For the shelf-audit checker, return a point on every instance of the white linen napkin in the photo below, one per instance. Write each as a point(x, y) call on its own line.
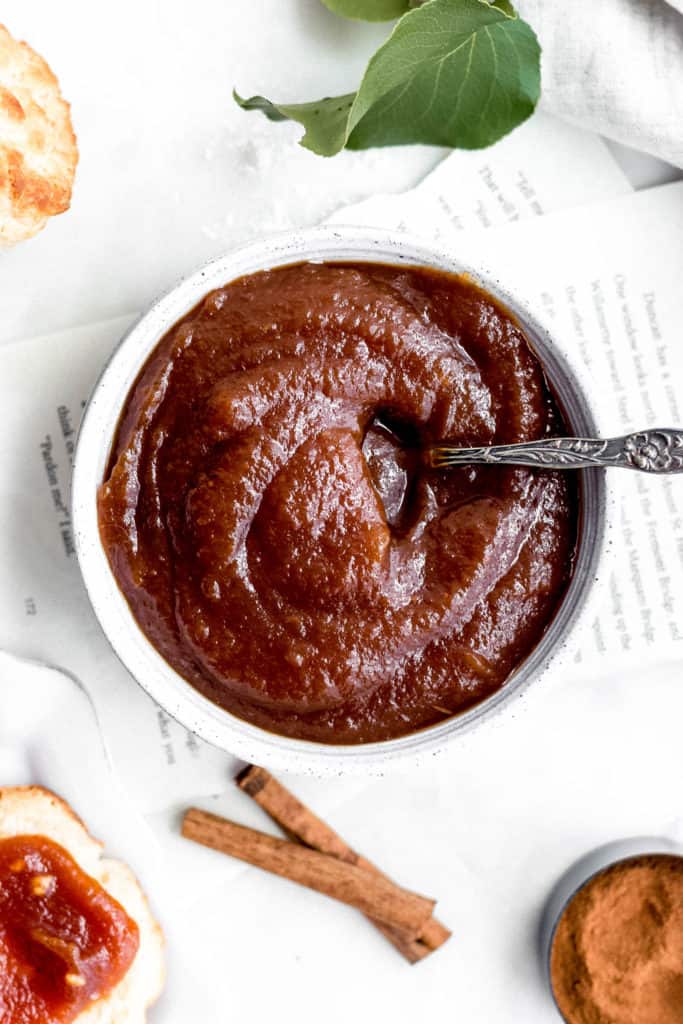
point(615, 67)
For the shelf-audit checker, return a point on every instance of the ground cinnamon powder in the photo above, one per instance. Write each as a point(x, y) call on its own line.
point(617, 954)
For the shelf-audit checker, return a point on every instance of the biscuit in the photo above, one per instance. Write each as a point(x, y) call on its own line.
point(38, 151)
point(32, 810)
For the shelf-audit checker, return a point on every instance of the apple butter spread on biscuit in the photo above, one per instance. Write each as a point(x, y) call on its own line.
point(64, 941)
point(278, 535)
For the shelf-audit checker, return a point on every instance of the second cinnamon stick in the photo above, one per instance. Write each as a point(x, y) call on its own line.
point(367, 891)
point(301, 823)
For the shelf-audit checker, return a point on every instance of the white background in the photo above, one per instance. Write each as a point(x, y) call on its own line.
point(172, 173)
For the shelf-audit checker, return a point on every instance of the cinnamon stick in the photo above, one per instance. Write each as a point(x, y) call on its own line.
point(302, 824)
point(348, 883)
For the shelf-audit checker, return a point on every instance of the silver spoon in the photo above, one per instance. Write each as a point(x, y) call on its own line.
point(659, 450)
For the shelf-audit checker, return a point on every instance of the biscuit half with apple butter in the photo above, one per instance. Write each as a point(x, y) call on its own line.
point(78, 942)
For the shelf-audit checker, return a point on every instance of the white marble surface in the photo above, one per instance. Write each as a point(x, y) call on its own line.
point(172, 173)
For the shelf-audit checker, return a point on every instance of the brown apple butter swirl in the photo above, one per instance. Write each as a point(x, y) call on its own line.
point(275, 531)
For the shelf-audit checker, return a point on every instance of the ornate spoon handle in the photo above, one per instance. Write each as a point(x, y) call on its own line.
point(659, 450)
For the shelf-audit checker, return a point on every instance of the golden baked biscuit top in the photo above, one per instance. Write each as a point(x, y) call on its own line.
point(38, 151)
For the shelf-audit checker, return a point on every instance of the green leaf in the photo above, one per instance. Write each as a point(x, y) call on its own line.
point(505, 6)
point(459, 73)
point(325, 121)
point(369, 10)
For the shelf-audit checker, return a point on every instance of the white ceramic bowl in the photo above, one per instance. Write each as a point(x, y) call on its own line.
point(157, 677)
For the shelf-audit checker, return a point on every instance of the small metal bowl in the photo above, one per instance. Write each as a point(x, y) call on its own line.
point(583, 872)
point(574, 392)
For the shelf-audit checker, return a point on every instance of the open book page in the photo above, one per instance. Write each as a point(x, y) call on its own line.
point(543, 166)
point(44, 611)
point(606, 281)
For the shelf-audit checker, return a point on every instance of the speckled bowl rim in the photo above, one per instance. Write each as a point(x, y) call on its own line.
point(580, 874)
point(176, 696)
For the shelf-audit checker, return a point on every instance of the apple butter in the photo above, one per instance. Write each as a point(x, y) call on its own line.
point(64, 942)
point(277, 534)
